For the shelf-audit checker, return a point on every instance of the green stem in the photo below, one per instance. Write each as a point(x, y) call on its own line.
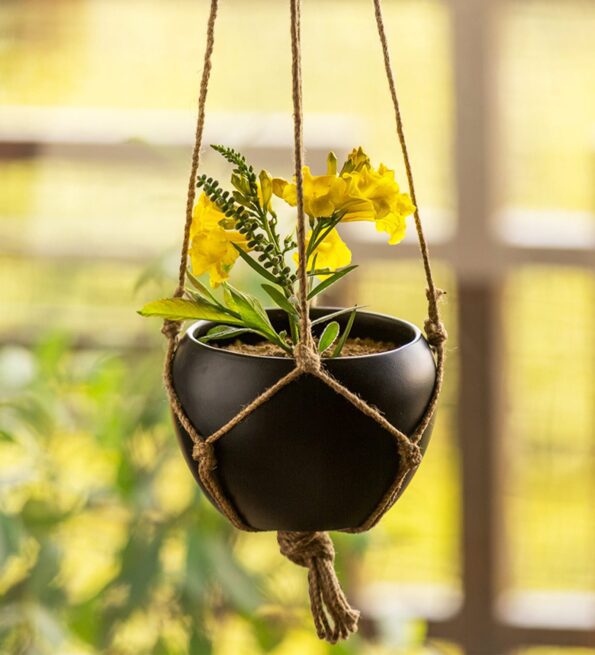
point(311, 279)
point(293, 327)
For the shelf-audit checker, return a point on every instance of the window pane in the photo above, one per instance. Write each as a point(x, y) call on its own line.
point(550, 457)
point(546, 110)
point(417, 543)
point(87, 206)
point(89, 301)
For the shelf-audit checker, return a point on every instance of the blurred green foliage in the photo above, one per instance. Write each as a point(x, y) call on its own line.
point(98, 527)
point(106, 546)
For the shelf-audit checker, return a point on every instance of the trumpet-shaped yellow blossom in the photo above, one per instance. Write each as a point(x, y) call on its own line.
point(361, 192)
point(332, 253)
point(322, 193)
point(211, 244)
point(375, 196)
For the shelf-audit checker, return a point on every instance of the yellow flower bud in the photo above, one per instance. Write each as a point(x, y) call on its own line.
point(331, 164)
point(356, 160)
point(266, 189)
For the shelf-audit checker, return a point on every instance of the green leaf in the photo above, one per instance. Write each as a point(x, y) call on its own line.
point(237, 583)
point(241, 200)
point(313, 239)
point(314, 272)
point(261, 270)
point(254, 316)
point(279, 299)
point(328, 336)
point(320, 271)
point(11, 537)
point(242, 186)
point(224, 332)
point(323, 228)
point(335, 277)
point(311, 280)
point(142, 549)
point(345, 335)
point(180, 309)
point(229, 300)
point(340, 312)
point(82, 621)
point(249, 308)
point(294, 329)
point(203, 289)
point(6, 436)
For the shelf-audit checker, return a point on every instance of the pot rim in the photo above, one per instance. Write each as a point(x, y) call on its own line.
point(417, 335)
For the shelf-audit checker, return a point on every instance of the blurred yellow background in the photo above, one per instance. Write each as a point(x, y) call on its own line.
point(105, 544)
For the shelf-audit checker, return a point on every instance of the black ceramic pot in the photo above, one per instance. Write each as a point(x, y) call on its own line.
point(307, 459)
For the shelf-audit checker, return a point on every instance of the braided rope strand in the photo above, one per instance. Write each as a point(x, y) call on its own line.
point(390, 77)
point(436, 333)
point(298, 137)
point(200, 126)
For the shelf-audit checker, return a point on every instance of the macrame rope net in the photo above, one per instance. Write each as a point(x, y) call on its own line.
point(334, 619)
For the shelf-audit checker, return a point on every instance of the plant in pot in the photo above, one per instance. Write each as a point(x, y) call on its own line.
point(308, 457)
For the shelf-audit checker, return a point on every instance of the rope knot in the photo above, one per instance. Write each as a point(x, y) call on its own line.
point(171, 329)
point(414, 456)
point(436, 333)
point(308, 359)
point(334, 618)
point(204, 454)
point(302, 547)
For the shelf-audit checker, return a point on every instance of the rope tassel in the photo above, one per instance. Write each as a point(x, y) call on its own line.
point(334, 618)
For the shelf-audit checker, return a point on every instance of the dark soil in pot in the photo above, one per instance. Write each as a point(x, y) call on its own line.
point(354, 347)
point(307, 459)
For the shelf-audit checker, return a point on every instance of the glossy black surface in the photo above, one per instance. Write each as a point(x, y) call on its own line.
point(307, 459)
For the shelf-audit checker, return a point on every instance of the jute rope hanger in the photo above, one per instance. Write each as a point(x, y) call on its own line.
point(334, 619)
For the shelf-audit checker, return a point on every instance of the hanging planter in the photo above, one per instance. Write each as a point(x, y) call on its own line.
point(313, 419)
point(307, 460)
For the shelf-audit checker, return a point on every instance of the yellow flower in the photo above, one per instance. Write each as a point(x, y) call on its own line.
point(394, 225)
point(331, 253)
point(211, 249)
point(322, 193)
point(362, 192)
point(374, 195)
